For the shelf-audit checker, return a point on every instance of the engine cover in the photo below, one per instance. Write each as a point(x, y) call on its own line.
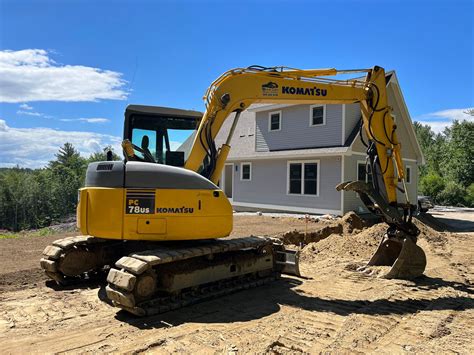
point(146, 201)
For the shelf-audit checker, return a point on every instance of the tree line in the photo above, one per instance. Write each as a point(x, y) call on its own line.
point(448, 175)
point(37, 198)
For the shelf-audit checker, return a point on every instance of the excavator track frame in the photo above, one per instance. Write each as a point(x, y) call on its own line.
point(137, 286)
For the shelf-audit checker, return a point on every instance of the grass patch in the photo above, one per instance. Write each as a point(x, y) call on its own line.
point(9, 236)
point(43, 232)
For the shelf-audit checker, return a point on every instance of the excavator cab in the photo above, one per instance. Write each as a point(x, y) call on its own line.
point(160, 134)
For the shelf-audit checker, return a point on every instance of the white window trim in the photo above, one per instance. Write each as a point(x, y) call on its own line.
point(242, 171)
point(270, 121)
point(311, 115)
point(302, 162)
point(357, 170)
point(406, 173)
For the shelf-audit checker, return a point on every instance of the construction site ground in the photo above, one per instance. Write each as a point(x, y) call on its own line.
point(334, 308)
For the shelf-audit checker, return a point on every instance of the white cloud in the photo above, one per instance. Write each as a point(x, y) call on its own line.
point(3, 126)
point(439, 120)
point(26, 107)
point(35, 147)
point(31, 75)
point(29, 113)
point(88, 120)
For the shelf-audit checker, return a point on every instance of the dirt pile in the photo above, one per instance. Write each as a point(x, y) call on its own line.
point(357, 247)
point(345, 246)
point(348, 224)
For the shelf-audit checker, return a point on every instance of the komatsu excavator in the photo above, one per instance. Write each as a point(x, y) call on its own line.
point(159, 223)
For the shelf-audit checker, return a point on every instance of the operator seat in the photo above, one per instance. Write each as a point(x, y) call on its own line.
point(145, 144)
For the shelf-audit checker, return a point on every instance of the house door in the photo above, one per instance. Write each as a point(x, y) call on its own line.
point(228, 180)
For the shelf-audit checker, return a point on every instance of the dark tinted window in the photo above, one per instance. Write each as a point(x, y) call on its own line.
point(361, 171)
point(275, 121)
point(317, 115)
point(364, 173)
point(310, 179)
point(295, 178)
point(246, 171)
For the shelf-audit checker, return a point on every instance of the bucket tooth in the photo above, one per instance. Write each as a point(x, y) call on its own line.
point(407, 260)
point(342, 185)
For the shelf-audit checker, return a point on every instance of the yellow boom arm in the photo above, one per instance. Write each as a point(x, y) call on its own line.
point(237, 89)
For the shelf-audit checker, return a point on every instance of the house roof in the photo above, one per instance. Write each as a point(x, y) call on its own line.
point(395, 86)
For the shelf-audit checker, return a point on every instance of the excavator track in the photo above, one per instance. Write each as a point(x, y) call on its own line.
point(72, 260)
point(169, 277)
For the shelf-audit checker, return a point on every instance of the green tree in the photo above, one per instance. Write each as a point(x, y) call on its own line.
point(432, 184)
point(102, 156)
point(433, 147)
point(470, 195)
point(458, 164)
point(453, 194)
point(68, 157)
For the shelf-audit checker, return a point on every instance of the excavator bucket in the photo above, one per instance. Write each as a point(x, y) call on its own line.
point(407, 260)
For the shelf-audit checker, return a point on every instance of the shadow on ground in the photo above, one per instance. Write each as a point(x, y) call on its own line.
point(264, 301)
point(442, 224)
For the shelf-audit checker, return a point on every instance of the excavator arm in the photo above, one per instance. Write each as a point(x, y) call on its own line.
point(237, 89)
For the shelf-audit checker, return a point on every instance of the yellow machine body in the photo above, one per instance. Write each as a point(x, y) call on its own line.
point(153, 214)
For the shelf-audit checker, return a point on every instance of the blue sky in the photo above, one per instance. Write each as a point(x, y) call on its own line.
point(69, 68)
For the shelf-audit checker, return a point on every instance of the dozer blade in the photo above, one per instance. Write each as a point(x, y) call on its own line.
point(407, 260)
point(289, 260)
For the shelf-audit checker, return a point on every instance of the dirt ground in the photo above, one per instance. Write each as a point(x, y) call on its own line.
point(332, 309)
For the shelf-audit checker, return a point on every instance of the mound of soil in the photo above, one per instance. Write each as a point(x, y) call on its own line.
point(349, 246)
point(348, 224)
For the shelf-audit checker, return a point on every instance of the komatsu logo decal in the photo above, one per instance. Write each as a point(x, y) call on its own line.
point(175, 210)
point(291, 90)
point(270, 89)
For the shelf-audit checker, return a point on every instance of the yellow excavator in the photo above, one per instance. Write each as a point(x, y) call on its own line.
point(159, 224)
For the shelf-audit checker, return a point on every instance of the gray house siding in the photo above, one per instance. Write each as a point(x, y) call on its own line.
point(296, 131)
point(268, 185)
point(353, 116)
point(351, 201)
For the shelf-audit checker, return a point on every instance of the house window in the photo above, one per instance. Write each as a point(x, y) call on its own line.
point(274, 121)
point(303, 178)
point(317, 115)
point(363, 172)
point(246, 171)
point(408, 175)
